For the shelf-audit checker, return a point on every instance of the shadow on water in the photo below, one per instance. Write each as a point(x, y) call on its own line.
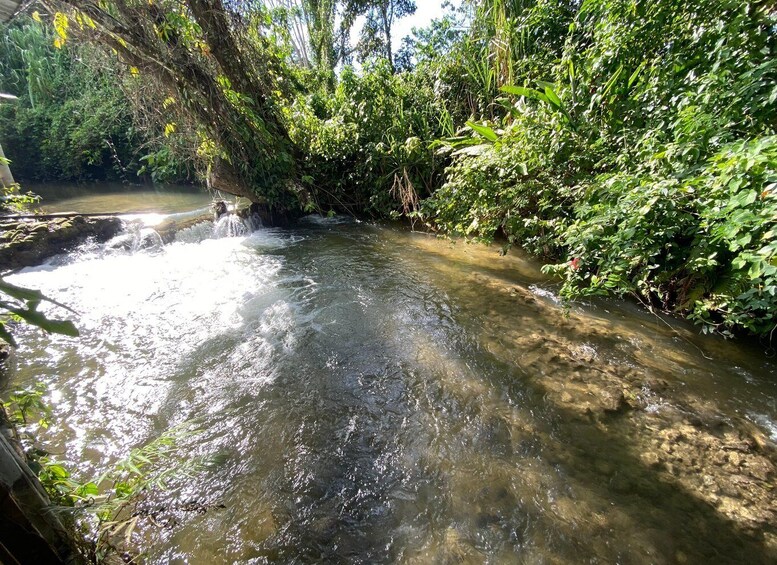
point(607, 483)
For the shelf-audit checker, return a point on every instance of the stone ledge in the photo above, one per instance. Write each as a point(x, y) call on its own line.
point(25, 243)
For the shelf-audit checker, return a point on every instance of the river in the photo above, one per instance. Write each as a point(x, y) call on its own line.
point(365, 394)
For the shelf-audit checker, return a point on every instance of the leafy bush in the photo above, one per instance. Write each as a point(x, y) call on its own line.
point(648, 164)
point(73, 120)
point(374, 129)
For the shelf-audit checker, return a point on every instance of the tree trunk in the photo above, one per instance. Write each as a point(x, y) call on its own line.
point(224, 82)
point(8, 8)
point(384, 13)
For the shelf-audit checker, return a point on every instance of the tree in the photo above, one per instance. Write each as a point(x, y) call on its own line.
point(320, 18)
point(375, 37)
point(71, 120)
point(215, 60)
point(428, 44)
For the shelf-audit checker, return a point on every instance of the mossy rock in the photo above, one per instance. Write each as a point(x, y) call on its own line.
point(25, 244)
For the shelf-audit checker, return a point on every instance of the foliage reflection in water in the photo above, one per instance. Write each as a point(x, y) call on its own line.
point(380, 396)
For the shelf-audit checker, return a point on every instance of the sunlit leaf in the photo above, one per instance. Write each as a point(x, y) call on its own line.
point(612, 81)
point(552, 97)
point(485, 131)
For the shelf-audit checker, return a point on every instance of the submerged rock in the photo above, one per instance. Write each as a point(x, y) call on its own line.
point(24, 243)
point(680, 446)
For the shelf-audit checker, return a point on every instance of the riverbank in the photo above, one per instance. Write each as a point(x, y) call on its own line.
point(29, 241)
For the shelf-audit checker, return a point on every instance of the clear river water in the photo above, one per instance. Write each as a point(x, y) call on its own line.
point(365, 394)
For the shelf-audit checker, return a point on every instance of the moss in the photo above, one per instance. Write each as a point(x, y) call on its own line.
point(29, 243)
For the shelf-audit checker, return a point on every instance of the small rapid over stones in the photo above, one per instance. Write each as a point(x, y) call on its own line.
point(370, 395)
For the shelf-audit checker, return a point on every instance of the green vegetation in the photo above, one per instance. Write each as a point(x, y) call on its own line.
point(72, 120)
point(630, 144)
point(107, 510)
point(19, 304)
point(642, 154)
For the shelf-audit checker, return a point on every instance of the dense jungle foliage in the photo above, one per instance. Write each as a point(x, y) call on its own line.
point(72, 120)
point(629, 143)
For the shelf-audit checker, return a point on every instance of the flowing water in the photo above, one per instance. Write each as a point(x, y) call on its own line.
point(370, 395)
point(109, 198)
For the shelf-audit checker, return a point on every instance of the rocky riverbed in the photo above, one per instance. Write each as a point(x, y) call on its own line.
point(632, 425)
point(723, 468)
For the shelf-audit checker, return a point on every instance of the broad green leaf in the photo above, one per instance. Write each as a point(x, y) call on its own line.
point(612, 81)
point(636, 73)
point(19, 292)
point(755, 270)
point(485, 131)
point(64, 327)
point(58, 471)
point(541, 96)
point(552, 97)
point(520, 91)
point(89, 489)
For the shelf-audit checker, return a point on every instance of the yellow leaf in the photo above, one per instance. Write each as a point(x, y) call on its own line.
point(61, 23)
point(36, 16)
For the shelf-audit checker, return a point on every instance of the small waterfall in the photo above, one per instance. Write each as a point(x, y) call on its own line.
point(230, 225)
point(136, 238)
point(253, 222)
point(196, 233)
point(148, 238)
